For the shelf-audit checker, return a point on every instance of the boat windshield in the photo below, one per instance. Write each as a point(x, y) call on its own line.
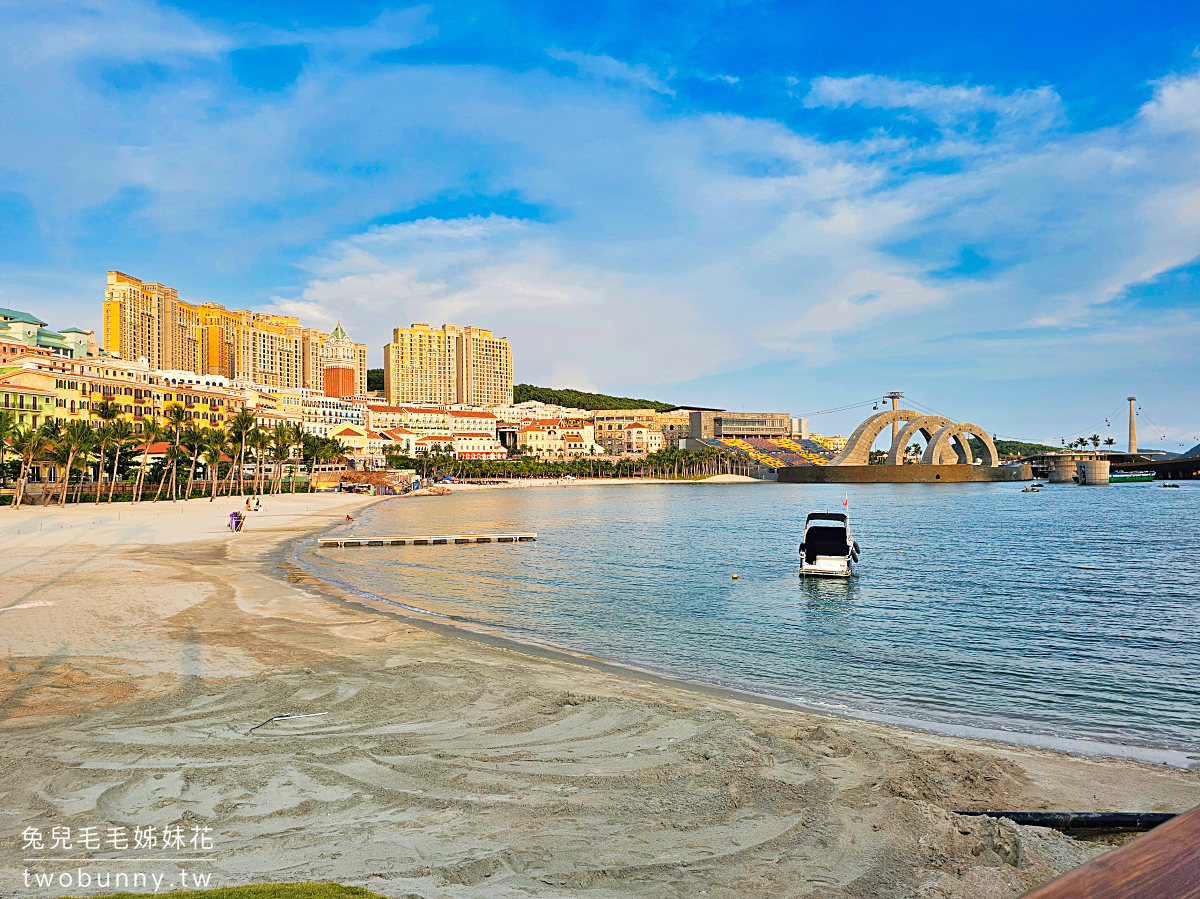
point(822, 539)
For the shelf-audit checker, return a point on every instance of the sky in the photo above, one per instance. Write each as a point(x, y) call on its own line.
point(992, 207)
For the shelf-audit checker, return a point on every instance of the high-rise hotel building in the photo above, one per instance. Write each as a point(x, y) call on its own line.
point(147, 319)
point(452, 365)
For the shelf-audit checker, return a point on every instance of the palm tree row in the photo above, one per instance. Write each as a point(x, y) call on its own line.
point(670, 463)
point(1082, 442)
point(113, 441)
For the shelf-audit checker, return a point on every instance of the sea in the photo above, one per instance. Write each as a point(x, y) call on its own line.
point(1067, 618)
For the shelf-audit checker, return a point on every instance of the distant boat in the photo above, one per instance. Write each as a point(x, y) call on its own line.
point(1030, 490)
point(828, 549)
point(1130, 477)
point(1171, 485)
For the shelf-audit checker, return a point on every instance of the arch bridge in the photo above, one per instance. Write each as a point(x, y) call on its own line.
point(946, 442)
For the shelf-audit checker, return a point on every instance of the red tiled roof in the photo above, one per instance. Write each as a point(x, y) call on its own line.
point(636, 424)
point(472, 414)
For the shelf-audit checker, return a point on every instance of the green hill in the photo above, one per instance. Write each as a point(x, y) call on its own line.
point(1011, 449)
point(574, 399)
point(578, 399)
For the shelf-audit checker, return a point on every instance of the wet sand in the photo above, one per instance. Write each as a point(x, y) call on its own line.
point(138, 647)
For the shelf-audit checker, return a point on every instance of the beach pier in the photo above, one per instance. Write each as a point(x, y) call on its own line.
point(425, 539)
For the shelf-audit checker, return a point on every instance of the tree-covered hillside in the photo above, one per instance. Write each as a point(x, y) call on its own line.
point(575, 399)
point(1013, 449)
point(578, 399)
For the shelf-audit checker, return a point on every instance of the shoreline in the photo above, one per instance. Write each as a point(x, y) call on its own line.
point(140, 654)
point(462, 628)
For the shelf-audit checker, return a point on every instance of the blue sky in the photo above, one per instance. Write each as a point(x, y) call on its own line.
point(993, 207)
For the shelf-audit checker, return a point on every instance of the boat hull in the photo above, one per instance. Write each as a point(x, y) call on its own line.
point(827, 567)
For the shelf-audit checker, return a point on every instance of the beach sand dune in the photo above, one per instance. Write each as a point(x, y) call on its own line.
point(139, 653)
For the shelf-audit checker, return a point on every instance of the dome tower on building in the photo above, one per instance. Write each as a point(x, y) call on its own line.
point(339, 364)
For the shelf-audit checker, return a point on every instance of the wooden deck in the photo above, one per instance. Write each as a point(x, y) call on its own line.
point(1162, 864)
point(424, 539)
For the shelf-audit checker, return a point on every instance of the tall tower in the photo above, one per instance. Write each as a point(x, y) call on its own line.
point(339, 363)
point(1132, 426)
point(894, 396)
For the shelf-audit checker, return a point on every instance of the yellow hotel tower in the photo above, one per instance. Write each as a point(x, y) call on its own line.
point(147, 319)
point(454, 365)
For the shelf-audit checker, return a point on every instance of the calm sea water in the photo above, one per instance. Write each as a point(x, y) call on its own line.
point(1073, 612)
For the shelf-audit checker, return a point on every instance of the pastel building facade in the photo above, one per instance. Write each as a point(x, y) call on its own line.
point(558, 438)
point(147, 320)
point(453, 365)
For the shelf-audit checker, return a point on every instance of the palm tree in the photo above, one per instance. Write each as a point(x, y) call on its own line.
point(239, 427)
point(281, 450)
point(259, 440)
point(120, 432)
point(102, 444)
point(1109, 442)
point(297, 442)
point(152, 432)
point(78, 438)
point(174, 455)
point(174, 419)
point(191, 438)
point(215, 443)
point(309, 450)
point(52, 431)
point(8, 429)
point(29, 444)
point(328, 451)
point(1095, 441)
point(105, 410)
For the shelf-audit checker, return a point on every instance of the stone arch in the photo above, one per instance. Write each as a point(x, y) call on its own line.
point(941, 442)
point(858, 447)
point(926, 426)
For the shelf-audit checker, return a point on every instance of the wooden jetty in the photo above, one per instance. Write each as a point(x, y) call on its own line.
point(424, 539)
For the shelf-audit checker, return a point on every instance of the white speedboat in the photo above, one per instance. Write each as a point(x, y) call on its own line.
point(828, 549)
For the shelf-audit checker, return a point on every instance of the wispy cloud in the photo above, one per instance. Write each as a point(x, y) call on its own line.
point(1040, 107)
point(613, 70)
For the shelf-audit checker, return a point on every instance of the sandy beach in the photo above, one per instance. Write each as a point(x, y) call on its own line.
point(141, 645)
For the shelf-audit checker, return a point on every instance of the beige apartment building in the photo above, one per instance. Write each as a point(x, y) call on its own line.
point(145, 319)
point(610, 426)
point(674, 426)
point(449, 366)
point(558, 438)
point(641, 438)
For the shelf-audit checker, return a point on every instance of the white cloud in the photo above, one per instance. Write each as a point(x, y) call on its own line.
point(855, 301)
point(565, 319)
point(1040, 107)
point(613, 70)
